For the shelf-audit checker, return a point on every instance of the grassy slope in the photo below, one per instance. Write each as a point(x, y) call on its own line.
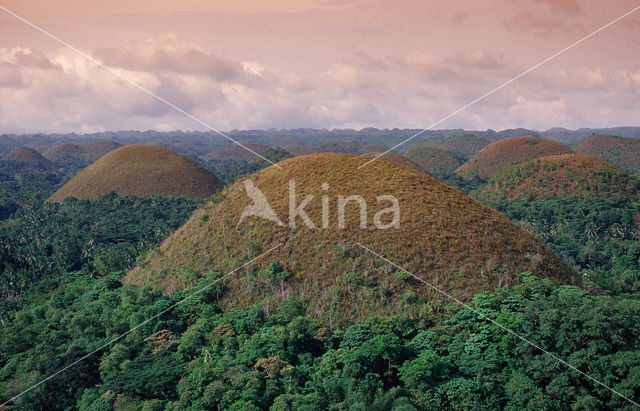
point(568, 175)
point(445, 237)
point(435, 161)
point(502, 153)
point(621, 151)
point(143, 171)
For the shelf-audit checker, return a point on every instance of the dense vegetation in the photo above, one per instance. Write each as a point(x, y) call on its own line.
point(93, 236)
point(198, 357)
point(462, 145)
point(230, 170)
point(436, 162)
point(599, 238)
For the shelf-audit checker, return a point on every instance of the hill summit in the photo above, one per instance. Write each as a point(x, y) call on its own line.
point(567, 175)
point(143, 171)
point(442, 236)
point(502, 153)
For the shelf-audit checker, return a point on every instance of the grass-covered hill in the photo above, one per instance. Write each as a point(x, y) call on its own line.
point(237, 152)
point(563, 176)
point(300, 149)
point(502, 153)
point(142, 171)
point(93, 151)
point(621, 151)
point(444, 237)
point(65, 153)
point(435, 161)
point(395, 158)
point(25, 155)
point(463, 145)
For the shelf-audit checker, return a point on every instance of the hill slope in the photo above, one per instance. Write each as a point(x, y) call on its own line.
point(93, 151)
point(25, 155)
point(143, 171)
point(445, 237)
point(435, 161)
point(621, 151)
point(65, 153)
point(300, 149)
point(567, 175)
point(397, 159)
point(502, 153)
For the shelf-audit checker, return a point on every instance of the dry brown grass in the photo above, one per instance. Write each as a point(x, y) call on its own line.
point(567, 175)
point(445, 237)
point(141, 170)
point(503, 153)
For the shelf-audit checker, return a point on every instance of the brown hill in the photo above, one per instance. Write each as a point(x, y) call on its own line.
point(396, 158)
point(502, 153)
point(25, 155)
point(300, 150)
point(620, 151)
point(567, 175)
point(93, 151)
point(434, 161)
point(237, 152)
point(141, 170)
point(444, 236)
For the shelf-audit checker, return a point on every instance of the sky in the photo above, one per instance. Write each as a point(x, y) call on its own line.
point(258, 64)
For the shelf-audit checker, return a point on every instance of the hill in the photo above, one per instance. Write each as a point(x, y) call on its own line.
point(444, 237)
point(25, 155)
point(237, 152)
point(143, 171)
point(567, 175)
point(437, 162)
point(65, 153)
point(464, 145)
point(93, 151)
point(620, 151)
point(299, 149)
point(502, 153)
point(397, 159)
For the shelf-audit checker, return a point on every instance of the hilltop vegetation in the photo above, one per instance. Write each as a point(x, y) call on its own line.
point(300, 150)
point(142, 171)
point(502, 153)
point(434, 161)
point(237, 152)
point(620, 151)
point(568, 175)
point(78, 156)
point(447, 238)
point(229, 170)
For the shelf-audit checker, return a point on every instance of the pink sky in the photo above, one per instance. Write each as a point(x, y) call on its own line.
point(318, 63)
